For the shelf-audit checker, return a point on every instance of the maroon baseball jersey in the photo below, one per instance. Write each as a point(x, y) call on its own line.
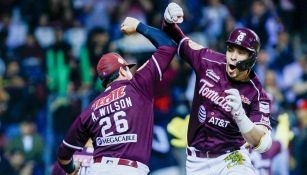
point(120, 119)
point(212, 127)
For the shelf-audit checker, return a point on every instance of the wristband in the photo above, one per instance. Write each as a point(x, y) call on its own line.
point(68, 168)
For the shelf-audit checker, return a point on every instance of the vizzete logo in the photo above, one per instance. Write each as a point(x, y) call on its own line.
point(113, 95)
point(207, 92)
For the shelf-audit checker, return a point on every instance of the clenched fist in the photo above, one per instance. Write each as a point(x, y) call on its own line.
point(234, 102)
point(173, 13)
point(129, 25)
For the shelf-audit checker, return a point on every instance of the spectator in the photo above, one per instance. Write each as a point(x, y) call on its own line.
point(295, 79)
point(262, 22)
point(28, 142)
point(214, 16)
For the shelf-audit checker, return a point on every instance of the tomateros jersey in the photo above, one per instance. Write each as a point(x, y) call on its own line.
point(120, 119)
point(212, 127)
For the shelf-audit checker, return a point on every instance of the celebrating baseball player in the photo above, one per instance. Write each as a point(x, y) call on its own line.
point(120, 119)
point(229, 107)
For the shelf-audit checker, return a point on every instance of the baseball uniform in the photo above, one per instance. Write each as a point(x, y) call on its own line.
point(120, 119)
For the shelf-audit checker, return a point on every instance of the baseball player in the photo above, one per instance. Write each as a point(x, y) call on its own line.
point(120, 119)
point(229, 106)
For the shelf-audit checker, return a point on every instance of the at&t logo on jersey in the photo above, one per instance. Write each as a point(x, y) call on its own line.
point(219, 122)
point(202, 114)
point(114, 95)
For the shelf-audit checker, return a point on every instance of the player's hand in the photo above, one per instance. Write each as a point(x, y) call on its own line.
point(173, 13)
point(235, 103)
point(129, 25)
point(77, 168)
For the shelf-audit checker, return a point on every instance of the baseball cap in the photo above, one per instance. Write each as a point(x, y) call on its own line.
point(109, 63)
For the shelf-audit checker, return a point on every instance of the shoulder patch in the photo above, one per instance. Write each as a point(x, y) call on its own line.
point(195, 46)
point(264, 107)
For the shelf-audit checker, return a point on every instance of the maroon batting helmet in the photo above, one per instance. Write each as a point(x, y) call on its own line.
point(109, 63)
point(249, 40)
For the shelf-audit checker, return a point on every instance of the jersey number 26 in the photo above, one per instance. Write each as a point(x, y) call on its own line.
point(121, 124)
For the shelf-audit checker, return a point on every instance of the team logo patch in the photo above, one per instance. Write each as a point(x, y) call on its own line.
point(240, 37)
point(264, 107)
point(265, 120)
point(202, 114)
point(212, 75)
point(194, 45)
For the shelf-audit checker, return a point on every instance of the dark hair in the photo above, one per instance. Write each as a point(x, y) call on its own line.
point(110, 78)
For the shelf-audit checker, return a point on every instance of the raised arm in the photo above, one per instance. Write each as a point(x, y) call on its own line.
point(149, 75)
point(187, 49)
point(156, 37)
point(173, 14)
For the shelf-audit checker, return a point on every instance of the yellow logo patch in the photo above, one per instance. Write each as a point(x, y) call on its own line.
point(233, 159)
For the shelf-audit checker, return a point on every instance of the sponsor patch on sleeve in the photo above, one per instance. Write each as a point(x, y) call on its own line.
point(265, 120)
point(264, 107)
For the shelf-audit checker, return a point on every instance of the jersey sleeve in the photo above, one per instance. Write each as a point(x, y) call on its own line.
point(149, 75)
point(261, 110)
point(193, 53)
point(75, 138)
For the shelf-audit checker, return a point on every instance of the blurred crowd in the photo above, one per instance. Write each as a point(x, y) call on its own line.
point(49, 50)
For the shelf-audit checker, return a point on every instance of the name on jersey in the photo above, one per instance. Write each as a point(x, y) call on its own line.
point(113, 107)
point(219, 122)
point(207, 92)
point(113, 95)
point(111, 140)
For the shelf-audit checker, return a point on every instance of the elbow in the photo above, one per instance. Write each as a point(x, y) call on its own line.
point(265, 143)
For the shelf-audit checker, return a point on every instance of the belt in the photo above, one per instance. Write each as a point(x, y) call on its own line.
point(204, 154)
point(126, 162)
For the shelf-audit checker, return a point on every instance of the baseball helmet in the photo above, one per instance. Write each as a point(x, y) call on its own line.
point(250, 41)
point(110, 63)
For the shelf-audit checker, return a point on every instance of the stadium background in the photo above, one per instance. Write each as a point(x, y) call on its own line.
point(49, 49)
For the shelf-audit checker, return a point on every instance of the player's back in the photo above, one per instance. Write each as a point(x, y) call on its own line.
point(120, 122)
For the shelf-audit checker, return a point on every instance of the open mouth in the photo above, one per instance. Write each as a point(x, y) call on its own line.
point(232, 67)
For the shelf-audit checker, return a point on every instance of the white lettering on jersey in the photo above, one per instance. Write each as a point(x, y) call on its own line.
point(212, 75)
point(94, 118)
point(118, 139)
point(212, 95)
point(219, 122)
point(116, 106)
point(202, 114)
point(264, 107)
